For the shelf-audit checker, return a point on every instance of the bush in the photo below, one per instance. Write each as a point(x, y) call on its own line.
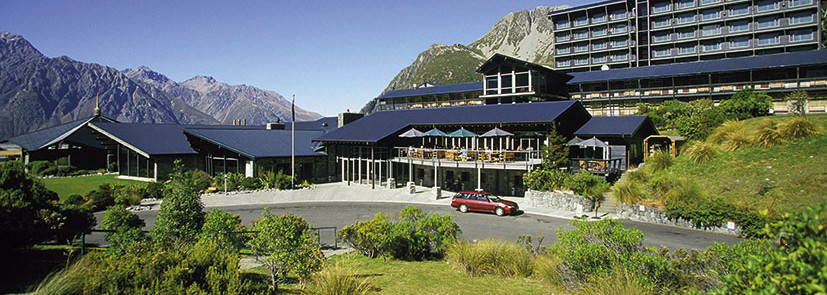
point(224, 229)
point(700, 152)
point(181, 215)
point(629, 190)
point(270, 180)
point(594, 248)
point(336, 280)
point(588, 185)
point(546, 267)
point(249, 183)
point(737, 139)
point(201, 180)
point(721, 133)
point(491, 256)
point(64, 170)
point(102, 197)
point(542, 179)
point(713, 213)
point(620, 281)
point(370, 238)
point(659, 161)
point(74, 199)
point(153, 190)
point(126, 226)
point(798, 128)
point(38, 167)
point(768, 136)
point(746, 103)
point(127, 194)
point(288, 244)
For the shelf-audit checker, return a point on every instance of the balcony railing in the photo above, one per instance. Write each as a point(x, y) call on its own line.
point(595, 166)
point(465, 155)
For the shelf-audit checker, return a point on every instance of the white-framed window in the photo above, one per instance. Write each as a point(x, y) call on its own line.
point(619, 28)
point(710, 14)
point(581, 34)
point(620, 56)
point(739, 42)
point(618, 14)
point(796, 3)
point(685, 18)
point(598, 18)
point(686, 49)
point(563, 63)
point(740, 9)
point(599, 59)
point(801, 35)
point(661, 22)
point(599, 32)
point(681, 4)
point(708, 47)
point(686, 34)
point(581, 21)
point(563, 50)
point(768, 39)
point(562, 37)
point(708, 2)
point(766, 5)
point(599, 46)
point(801, 18)
point(739, 26)
point(620, 43)
point(661, 52)
point(562, 24)
point(766, 22)
point(710, 30)
point(581, 61)
point(661, 7)
point(581, 47)
point(662, 37)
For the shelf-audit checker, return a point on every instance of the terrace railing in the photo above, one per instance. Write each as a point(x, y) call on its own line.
point(456, 155)
point(595, 166)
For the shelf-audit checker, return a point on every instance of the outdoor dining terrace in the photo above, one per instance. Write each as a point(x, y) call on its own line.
point(464, 158)
point(595, 166)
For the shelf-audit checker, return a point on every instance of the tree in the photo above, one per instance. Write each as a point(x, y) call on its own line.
point(556, 152)
point(287, 244)
point(590, 186)
point(797, 102)
point(746, 103)
point(224, 229)
point(181, 215)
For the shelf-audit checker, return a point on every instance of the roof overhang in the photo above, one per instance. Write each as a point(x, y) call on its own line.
point(118, 140)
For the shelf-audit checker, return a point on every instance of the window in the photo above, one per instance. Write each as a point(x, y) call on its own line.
point(767, 39)
point(599, 32)
point(801, 35)
point(619, 14)
point(581, 61)
point(741, 42)
point(620, 56)
point(767, 22)
point(707, 47)
point(685, 18)
point(795, 3)
point(661, 22)
point(740, 9)
point(710, 14)
point(661, 52)
point(562, 24)
point(686, 49)
point(563, 63)
point(598, 18)
point(801, 18)
point(686, 34)
point(739, 26)
point(707, 2)
point(619, 28)
point(660, 7)
point(563, 50)
point(620, 43)
point(599, 46)
point(597, 59)
point(661, 37)
point(581, 34)
point(581, 47)
point(562, 37)
point(711, 30)
point(766, 5)
point(581, 21)
point(681, 4)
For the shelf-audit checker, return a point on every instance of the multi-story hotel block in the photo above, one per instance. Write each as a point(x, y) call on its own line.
point(635, 33)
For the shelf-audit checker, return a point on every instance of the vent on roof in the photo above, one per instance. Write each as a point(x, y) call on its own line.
point(275, 126)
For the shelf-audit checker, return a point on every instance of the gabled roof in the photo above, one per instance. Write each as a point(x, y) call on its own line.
point(621, 126)
point(438, 89)
point(260, 143)
point(379, 125)
point(45, 137)
point(814, 57)
point(497, 59)
point(154, 139)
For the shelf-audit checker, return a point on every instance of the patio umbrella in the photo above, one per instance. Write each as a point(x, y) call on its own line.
point(413, 133)
point(462, 132)
point(592, 142)
point(497, 132)
point(574, 141)
point(435, 133)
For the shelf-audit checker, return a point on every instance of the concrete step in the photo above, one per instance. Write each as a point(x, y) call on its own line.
point(609, 204)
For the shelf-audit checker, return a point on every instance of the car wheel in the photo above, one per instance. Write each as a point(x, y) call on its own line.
point(463, 208)
point(499, 211)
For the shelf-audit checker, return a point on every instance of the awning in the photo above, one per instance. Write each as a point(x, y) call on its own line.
point(496, 132)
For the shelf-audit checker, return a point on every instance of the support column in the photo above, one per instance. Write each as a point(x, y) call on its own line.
point(344, 174)
point(359, 173)
point(372, 169)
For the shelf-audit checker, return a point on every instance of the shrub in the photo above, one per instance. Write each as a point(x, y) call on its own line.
point(588, 185)
point(659, 161)
point(798, 128)
point(546, 267)
point(288, 244)
point(336, 280)
point(74, 199)
point(38, 167)
point(249, 183)
point(127, 194)
point(630, 191)
point(153, 190)
point(224, 229)
point(594, 248)
point(65, 170)
point(542, 179)
point(181, 215)
point(270, 180)
point(491, 256)
point(127, 227)
point(201, 180)
point(620, 281)
point(736, 139)
point(768, 136)
point(102, 197)
point(746, 103)
point(370, 238)
point(721, 133)
point(700, 152)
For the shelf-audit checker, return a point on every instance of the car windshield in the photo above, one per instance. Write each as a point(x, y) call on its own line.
point(494, 198)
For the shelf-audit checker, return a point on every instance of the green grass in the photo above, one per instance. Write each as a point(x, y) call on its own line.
point(81, 185)
point(784, 178)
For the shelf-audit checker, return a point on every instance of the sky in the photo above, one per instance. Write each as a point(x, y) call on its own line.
point(332, 55)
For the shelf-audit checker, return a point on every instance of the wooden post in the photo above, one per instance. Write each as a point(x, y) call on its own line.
point(372, 169)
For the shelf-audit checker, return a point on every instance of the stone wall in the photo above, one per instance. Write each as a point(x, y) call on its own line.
point(658, 216)
point(564, 200)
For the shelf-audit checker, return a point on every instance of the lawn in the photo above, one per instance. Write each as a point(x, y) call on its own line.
point(784, 178)
point(66, 186)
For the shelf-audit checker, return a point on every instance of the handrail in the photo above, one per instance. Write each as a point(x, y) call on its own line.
point(457, 155)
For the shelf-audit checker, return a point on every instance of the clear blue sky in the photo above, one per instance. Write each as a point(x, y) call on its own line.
point(333, 55)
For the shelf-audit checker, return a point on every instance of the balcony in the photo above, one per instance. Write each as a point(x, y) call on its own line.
point(506, 159)
point(595, 166)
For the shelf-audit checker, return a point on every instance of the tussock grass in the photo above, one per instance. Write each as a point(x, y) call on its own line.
point(491, 256)
point(768, 136)
point(659, 161)
point(335, 279)
point(700, 152)
point(619, 282)
point(721, 133)
point(736, 139)
point(629, 190)
point(65, 281)
point(546, 267)
point(798, 128)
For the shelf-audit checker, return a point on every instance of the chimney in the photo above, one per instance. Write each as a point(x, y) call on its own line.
point(347, 117)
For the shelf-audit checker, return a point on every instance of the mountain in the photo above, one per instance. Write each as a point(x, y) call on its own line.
point(524, 34)
point(222, 101)
point(37, 92)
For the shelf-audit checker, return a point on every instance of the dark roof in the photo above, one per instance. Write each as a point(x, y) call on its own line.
point(790, 59)
point(379, 125)
point(596, 4)
point(438, 89)
point(260, 143)
point(45, 137)
point(612, 126)
point(155, 139)
point(325, 124)
point(497, 59)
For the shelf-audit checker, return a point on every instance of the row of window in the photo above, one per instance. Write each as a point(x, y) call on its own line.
point(583, 47)
point(734, 27)
point(764, 22)
point(595, 32)
point(735, 43)
point(595, 18)
point(595, 59)
point(761, 6)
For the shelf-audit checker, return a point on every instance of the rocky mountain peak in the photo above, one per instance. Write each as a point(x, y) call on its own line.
point(145, 73)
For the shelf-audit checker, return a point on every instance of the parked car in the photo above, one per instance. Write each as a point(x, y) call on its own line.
point(483, 202)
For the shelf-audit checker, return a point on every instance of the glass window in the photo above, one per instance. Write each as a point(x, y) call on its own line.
point(563, 49)
point(739, 26)
point(561, 24)
point(581, 61)
point(620, 43)
point(740, 42)
point(767, 22)
point(581, 34)
point(661, 7)
point(794, 3)
point(711, 30)
point(686, 34)
point(710, 14)
point(599, 59)
point(801, 35)
point(581, 47)
point(619, 14)
point(661, 22)
point(681, 4)
point(686, 18)
point(661, 37)
point(581, 21)
point(563, 63)
point(686, 49)
point(801, 18)
point(599, 32)
point(707, 2)
point(661, 52)
point(711, 47)
point(599, 46)
point(619, 28)
point(562, 37)
point(620, 56)
point(766, 5)
point(598, 18)
point(740, 9)
point(767, 39)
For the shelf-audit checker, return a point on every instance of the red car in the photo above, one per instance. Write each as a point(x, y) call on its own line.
point(484, 202)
